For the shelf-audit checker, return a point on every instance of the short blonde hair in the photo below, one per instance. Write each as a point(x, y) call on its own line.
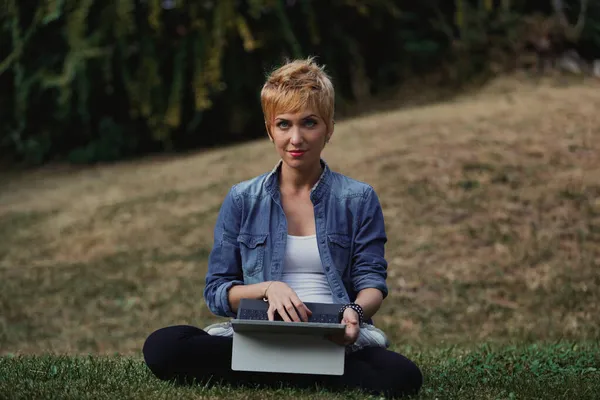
point(297, 85)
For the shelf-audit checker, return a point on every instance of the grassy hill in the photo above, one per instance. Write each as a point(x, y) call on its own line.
point(492, 206)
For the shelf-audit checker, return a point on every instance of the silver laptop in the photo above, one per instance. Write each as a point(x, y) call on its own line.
point(288, 347)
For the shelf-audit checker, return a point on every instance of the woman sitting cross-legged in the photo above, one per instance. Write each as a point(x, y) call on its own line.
point(300, 233)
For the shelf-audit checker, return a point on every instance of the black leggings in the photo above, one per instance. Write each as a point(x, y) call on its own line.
point(185, 353)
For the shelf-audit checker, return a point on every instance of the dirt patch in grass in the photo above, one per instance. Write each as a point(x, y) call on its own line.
point(492, 207)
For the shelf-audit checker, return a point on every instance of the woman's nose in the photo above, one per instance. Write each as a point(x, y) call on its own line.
point(296, 137)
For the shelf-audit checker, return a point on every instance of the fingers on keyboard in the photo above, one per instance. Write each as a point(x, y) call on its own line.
point(261, 315)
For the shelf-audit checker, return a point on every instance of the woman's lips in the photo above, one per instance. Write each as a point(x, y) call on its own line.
point(297, 153)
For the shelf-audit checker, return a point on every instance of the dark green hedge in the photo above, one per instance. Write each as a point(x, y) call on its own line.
point(90, 80)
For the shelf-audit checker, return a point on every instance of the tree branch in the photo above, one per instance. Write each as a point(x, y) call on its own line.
point(573, 32)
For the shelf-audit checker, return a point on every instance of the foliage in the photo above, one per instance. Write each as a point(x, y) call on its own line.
point(88, 81)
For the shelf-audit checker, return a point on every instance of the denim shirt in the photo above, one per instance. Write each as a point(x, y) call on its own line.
point(251, 231)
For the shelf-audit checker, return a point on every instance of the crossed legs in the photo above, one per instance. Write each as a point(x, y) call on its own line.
point(185, 353)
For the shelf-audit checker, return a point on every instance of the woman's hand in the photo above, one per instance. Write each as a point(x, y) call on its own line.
point(285, 301)
point(350, 319)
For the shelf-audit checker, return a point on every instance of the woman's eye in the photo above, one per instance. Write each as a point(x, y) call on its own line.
point(310, 123)
point(283, 125)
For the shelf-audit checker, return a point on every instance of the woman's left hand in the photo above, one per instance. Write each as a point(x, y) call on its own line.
point(350, 319)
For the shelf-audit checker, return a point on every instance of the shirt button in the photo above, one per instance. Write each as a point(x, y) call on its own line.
point(327, 269)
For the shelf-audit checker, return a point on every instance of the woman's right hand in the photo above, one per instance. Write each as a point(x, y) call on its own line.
point(285, 301)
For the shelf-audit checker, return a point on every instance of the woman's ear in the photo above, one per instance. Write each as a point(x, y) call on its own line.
point(330, 133)
point(268, 131)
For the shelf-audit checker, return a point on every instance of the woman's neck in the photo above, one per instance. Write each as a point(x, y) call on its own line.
point(296, 180)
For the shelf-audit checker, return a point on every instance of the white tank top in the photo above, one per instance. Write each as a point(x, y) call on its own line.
point(303, 270)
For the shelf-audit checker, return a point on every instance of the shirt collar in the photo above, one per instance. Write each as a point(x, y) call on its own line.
point(317, 191)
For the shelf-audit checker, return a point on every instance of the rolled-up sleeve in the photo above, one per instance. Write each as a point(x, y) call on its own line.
point(369, 269)
point(224, 261)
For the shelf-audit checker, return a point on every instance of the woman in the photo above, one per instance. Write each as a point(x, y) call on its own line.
point(301, 233)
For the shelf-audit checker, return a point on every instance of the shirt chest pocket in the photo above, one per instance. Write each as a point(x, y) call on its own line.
point(339, 247)
point(252, 251)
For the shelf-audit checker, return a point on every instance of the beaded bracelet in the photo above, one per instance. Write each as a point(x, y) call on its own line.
point(356, 308)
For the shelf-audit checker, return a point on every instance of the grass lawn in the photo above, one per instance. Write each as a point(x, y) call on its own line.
point(492, 207)
point(551, 371)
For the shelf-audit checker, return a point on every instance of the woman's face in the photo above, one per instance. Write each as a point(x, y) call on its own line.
point(300, 138)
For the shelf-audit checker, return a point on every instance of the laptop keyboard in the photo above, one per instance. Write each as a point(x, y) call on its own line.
point(262, 316)
point(324, 318)
point(253, 314)
point(256, 311)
